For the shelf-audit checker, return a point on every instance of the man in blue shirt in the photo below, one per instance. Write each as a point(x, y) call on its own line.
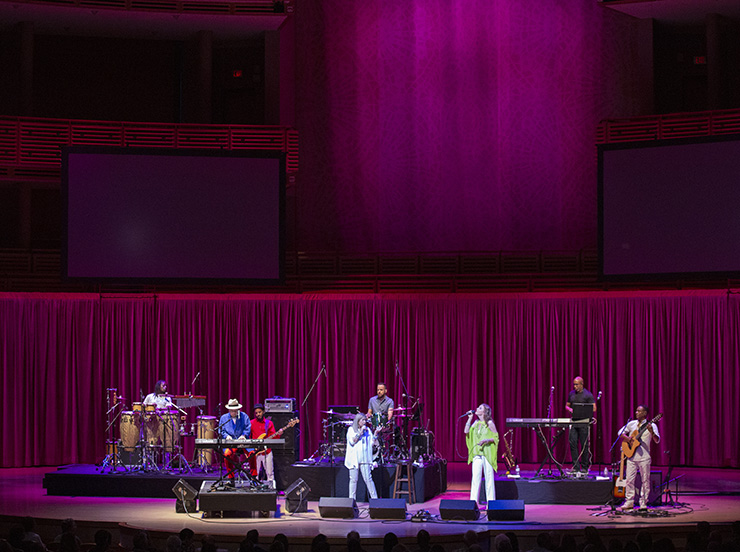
point(234, 426)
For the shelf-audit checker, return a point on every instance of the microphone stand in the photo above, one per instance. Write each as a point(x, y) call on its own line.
point(310, 391)
point(599, 435)
point(405, 432)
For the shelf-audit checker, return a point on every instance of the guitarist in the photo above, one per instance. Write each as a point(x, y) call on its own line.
point(262, 428)
point(642, 432)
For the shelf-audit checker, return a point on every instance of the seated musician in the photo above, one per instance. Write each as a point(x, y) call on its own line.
point(380, 406)
point(159, 398)
point(234, 426)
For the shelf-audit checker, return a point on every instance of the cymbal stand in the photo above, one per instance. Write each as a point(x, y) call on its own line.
point(112, 459)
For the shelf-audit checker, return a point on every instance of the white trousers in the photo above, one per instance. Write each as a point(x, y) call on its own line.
point(481, 467)
point(365, 470)
point(631, 473)
point(266, 461)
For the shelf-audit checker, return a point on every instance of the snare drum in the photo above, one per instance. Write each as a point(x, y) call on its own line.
point(206, 429)
point(169, 428)
point(130, 429)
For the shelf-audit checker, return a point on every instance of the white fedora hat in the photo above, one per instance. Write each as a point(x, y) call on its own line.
point(233, 404)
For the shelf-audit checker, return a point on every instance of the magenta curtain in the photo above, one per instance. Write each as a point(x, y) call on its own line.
point(676, 351)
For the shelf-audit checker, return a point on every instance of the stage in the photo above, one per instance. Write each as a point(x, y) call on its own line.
point(706, 495)
point(325, 480)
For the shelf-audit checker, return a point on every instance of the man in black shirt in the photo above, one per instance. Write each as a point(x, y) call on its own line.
point(579, 433)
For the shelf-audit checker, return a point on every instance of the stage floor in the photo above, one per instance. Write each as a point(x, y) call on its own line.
point(708, 495)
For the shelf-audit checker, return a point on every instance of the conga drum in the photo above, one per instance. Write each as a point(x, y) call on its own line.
point(151, 423)
point(130, 429)
point(206, 429)
point(138, 407)
point(169, 429)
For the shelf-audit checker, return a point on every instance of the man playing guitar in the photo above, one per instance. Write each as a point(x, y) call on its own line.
point(263, 428)
point(637, 436)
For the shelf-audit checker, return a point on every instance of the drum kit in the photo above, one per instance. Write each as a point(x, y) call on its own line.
point(150, 438)
point(392, 436)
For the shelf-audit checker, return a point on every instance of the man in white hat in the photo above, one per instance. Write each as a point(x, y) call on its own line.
point(234, 426)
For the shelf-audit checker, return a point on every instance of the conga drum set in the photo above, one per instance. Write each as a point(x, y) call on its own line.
point(149, 437)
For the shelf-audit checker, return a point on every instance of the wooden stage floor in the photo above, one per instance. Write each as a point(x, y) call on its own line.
point(711, 495)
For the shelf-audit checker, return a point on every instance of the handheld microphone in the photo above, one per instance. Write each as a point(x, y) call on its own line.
point(468, 413)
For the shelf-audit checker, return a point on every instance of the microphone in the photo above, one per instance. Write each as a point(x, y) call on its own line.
point(552, 389)
point(598, 397)
point(404, 395)
point(195, 378)
point(468, 413)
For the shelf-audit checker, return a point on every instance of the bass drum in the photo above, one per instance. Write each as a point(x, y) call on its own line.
point(130, 430)
point(206, 429)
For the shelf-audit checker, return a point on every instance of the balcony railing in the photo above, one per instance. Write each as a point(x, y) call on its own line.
point(30, 148)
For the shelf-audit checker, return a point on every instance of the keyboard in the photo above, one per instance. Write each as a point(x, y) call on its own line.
point(543, 422)
point(246, 443)
point(187, 401)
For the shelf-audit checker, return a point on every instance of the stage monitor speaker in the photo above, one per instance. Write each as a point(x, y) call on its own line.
point(388, 508)
point(337, 507)
point(184, 491)
point(506, 510)
point(186, 496)
point(296, 496)
point(459, 509)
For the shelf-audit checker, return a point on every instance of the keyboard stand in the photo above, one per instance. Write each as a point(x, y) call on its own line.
point(549, 446)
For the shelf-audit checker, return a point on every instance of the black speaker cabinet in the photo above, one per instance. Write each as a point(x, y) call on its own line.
point(291, 435)
point(459, 509)
point(338, 507)
point(655, 496)
point(296, 496)
point(388, 508)
point(187, 507)
point(506, 510)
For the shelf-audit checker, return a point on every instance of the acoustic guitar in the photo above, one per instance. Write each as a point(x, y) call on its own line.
point(629, 449)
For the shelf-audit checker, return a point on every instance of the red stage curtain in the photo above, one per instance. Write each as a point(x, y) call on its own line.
point(676, 351)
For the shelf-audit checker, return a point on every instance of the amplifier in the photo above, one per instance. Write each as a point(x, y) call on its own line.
point(280, 404)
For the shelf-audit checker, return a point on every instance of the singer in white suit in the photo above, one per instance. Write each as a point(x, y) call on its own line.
point(359, 455)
